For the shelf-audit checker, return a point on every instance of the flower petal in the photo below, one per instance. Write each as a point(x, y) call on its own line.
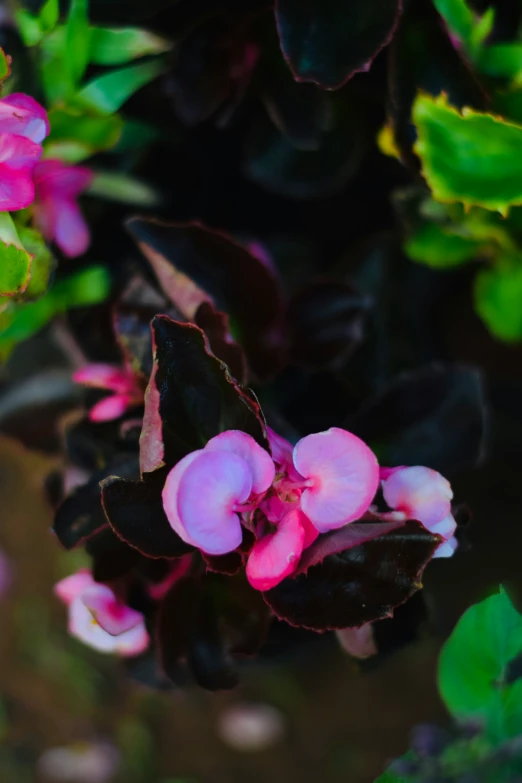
point(170, 495)
point(276, 555)
point(210, 488)
point(104, 376)
point(84, 627)
point(447, 548)
point(419, 492)
point(110, 408)
point(55, 179)
point(112, 615)
point(23, 116)
point(258, 459)
point(343, 474)
point(70, 230)
point(72, 586)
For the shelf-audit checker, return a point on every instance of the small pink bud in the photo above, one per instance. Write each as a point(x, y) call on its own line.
point(277, 554)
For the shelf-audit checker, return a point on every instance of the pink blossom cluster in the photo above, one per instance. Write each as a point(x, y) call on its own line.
point(328, 480)
point(23, 127)
point(122, 382)
point(99, 618)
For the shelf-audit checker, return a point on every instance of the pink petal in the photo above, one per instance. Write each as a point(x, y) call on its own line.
point(16, 189)
point(72, 586)
point(84, 627)
point(209, 490)
point(110, 408)
point(258, 460)
point(23, 116)
point(420, 492)
point(276, 555)
point(55, 179)
point(385, 473)
point(19, 153)
point(445, 528)
point(71, 232)
point(447, 548)
point(112, 615)
point(18, 157)
point(170, 495)
point(343, 474)
point(281, 448)
point(310, 532)
point(104, 376)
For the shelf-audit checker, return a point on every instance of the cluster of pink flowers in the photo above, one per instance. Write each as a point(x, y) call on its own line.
point(23, 127)
point(99, 618)
point(122, 382)
point(328, 480)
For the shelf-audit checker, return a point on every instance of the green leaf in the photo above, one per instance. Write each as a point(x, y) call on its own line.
point(77, 39)
point(498, 298)
point(76, 135)
point(106, 94)
point(120, 187)
point(502, 60)
point(116, 46)
point(15, 261)
point(43, 263)
point(440, 247)
point(5, 65)
point(20, 321)
point(391, 777)
point(49, 15)
point(29, 27)
point(473, 664)
point(472, 158)
point(464, 23)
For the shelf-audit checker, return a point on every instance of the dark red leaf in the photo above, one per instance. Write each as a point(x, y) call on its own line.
point(327, 41)
point(358, 586)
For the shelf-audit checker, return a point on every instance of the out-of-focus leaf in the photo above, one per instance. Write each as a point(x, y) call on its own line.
point(435, 416)
point(440, 247)
point(498, 297)
point(470, 157)
point(329, 41)
point(325, 321)
point(15, 261)
point(20, 321)
point(29, 27)
point(76, 135)
point(117, 186)
point(501, 60)
point(56, 78)
point(77, 39)
point(5, 65)
point(273, 162)
point(475, 661)
point(360, 585)
point(422, 57)
point(106, 94)
point(43, 263)
point(117, 46)
point(49, 15)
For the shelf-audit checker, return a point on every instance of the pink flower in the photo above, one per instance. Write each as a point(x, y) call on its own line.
point(276, 555)
point(127, 391)
point(99, 619)
point(342, 476)
point(23, 126)
point(57, 214)
point(18, 157)
point(208, 489)
point(425, 495)
point(21, 115)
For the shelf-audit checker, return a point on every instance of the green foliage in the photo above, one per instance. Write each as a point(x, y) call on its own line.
point(464, 23)
point(15, 261)
point(474, 664)
point(498, 298)
point(77, 39)
point(118, 46)
point(472, 158)
point(441, 247)
point(106, 94)
point(76, 134)
point(19, 321)
point(117, 186)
